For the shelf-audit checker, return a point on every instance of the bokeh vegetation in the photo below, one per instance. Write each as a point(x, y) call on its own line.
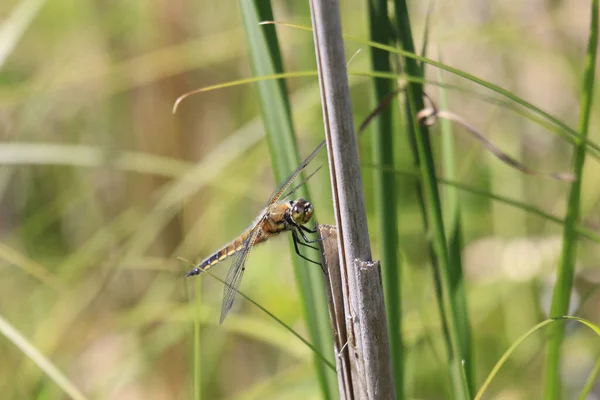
point(102, 188)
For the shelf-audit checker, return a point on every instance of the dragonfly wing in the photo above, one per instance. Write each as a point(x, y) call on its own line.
point(298, 186)
point(235, 273)
point(286, 184)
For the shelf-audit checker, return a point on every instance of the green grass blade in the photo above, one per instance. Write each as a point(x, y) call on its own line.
point(566, 132)
point(566, 266)
point(455, 244)
point(521, 339)
point(571, 134)
point(384, 183)
point(519, 106)
point(40, 360)
point(197, 350)
point(431, 202)
point(30, 267)
point(589, 383)
point(266, 60)
point(315, 351)
point(581, 230)
point(14, 26)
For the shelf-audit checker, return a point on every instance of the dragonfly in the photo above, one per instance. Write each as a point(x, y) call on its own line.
point(279, 215)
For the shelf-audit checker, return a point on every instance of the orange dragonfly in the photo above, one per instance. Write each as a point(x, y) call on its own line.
point(277, 217)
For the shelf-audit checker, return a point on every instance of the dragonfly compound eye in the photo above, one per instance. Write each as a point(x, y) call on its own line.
point(302, 211)
point(308, 212)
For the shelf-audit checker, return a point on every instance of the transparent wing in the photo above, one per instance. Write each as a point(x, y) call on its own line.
point(286, 184)
point(298, 186)
point(235, 273)
point(237, 269)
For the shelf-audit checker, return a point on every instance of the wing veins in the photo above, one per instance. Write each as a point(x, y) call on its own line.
point(298, 186)
point(286, 184)
point(235, 273)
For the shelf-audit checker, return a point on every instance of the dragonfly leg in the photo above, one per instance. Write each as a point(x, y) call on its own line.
point(296, 241)
point(305, 229)
point(307, 245)
point(307, 240)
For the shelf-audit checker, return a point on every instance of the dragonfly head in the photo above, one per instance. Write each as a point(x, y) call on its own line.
point(302, 211)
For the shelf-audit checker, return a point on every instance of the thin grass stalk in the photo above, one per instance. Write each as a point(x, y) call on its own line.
point(329, 364)
point(364, 305)
point(197, 349)
point(40, 360)
point(581, 230)
point(552, 321)
point(384, 185)
point(455, 242)
point(15, 24)
point(266, 60)
point(566, 266)
point(424, 154)
point(541, 117)
point(589, 383)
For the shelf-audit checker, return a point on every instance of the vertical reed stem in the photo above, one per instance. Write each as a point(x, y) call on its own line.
point(366, 323)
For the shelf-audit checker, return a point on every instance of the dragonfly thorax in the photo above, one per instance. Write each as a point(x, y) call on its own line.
point(301, 211)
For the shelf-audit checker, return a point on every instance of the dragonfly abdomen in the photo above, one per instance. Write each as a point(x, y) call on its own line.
point(220, 255)
point(225, 252)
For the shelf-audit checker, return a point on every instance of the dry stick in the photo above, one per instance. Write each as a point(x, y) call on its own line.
point(368, 345)
point(429, 116)
point(333, 285)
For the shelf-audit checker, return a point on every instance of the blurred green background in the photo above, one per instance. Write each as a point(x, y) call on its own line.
point(102, 188)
